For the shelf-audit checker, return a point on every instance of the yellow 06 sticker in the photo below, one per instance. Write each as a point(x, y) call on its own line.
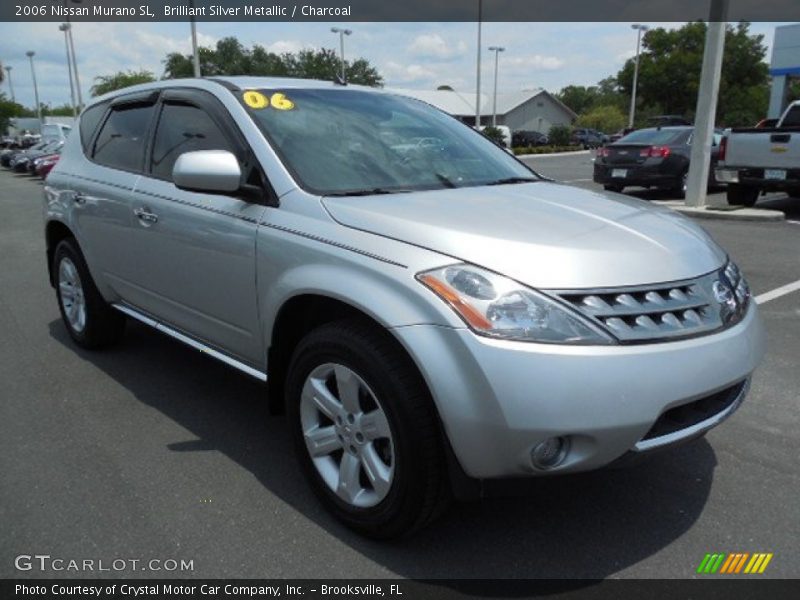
point(258, 101)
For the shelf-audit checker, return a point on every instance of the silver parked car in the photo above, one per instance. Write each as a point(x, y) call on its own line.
point(430, 316)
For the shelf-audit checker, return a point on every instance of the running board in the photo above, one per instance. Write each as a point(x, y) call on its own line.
point(232, 362)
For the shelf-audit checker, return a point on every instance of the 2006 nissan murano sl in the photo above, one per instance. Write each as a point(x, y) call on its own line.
point(430, 313)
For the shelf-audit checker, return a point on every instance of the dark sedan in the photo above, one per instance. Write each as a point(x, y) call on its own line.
point(655, 157)
point(529, 139)
point(21, 161)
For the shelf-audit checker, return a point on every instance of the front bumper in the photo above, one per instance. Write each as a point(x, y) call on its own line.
point(499, 399)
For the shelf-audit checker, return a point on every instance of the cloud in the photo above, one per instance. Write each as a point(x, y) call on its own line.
point(534, 62)
point(399, 74)
point(432, 45)
point(282, 46)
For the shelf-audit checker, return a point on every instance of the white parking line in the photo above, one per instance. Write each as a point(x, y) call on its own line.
point(577, 180)
point(793, 222)
point(778, 292)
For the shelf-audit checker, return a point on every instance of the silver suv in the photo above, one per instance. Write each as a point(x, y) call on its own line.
point(430, 313)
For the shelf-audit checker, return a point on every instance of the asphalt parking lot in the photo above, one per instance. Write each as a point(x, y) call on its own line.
point(152, 450)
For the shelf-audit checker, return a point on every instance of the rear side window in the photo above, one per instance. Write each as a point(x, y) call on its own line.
point(120, 143)
point(183, 128)
point(656, 137)
point(792, 118)
point(90, 119)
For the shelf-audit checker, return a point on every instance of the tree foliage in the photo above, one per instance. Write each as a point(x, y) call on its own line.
point(582, 99)
point(9, 110)
point(603, 118)
point(230, 57)
point(122, 79)
point(670, 67)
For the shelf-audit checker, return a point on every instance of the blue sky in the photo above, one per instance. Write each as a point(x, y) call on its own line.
point(409, 55)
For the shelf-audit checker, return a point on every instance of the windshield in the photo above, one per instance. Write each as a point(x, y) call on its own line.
point(653, 136)
point(341, 141)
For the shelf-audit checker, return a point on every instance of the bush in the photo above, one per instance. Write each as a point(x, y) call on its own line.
point(494, 134)
point(560, 135)
point(545, 149)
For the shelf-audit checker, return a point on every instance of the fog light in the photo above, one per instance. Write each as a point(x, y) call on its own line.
point(550, 453)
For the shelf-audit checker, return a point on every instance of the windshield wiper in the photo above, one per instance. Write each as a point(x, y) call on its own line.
point(509, 180)
point(368, 192)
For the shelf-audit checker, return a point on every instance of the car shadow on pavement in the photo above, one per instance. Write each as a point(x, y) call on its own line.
point(588, 526)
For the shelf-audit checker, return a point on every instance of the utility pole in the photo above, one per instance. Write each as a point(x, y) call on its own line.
point(639, 29)
point(30, 54)
point(707, 96)
point(64, 27)
point(342, 33)
point(497, 50)
point(10, 85)
point(478, 83)
point(195, 55)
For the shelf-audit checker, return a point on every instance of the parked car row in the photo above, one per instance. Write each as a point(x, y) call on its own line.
point(38, 160)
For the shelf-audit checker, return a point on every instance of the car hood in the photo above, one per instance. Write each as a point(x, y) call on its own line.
point(543, 234)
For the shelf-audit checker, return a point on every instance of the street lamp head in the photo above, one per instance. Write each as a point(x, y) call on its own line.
point(496, 49)
point(640, 27)
point(9, 68)
point(30, 53)
point(63, 27)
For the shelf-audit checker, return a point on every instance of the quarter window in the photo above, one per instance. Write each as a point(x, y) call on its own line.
point(90, 119)
point(183, 128)
point(121, 141)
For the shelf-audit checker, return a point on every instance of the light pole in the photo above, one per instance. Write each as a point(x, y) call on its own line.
point(74, 57)
point(478, 75)
point(195, 55)
point(10, 85)
point(342, 33)
point(497, 50)
point(65, 27)
point(639, 29)
point(30, 54)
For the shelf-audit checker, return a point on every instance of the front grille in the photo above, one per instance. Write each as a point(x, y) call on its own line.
point(686, 415)
point(651, 313)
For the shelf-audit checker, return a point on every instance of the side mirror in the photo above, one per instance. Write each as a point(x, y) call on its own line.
point(207, 171)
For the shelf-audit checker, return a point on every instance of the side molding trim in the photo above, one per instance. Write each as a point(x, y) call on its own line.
point(193, 343)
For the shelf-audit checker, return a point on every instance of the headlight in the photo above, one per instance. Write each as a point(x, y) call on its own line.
point(496, 306)
point(741, 292)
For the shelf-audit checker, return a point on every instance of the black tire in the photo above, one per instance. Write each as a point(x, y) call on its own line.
point(419, 490)
point(611, 187)
point(104, 326)
point(679, 189)
point(742, 195)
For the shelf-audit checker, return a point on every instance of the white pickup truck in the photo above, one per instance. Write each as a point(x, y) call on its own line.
point(753, 161)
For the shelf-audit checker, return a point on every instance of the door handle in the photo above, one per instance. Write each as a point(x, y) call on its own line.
point(145, 216)
point(79, 198)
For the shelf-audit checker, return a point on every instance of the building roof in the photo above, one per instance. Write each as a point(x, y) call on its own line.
point(462, 104)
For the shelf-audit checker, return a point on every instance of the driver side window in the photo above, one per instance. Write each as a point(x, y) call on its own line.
point(183, 128)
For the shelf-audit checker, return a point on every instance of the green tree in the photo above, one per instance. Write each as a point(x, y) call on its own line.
point(670, 66)
point(230, 57)
point(603, 118)
point(122, 79)
point(578, 97)
point(559, 135)
point(9, 110)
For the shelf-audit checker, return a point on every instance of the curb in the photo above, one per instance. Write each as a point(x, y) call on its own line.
point(573, 153)
point(763, 215)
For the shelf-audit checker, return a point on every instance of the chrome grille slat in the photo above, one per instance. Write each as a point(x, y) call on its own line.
point(651, 313)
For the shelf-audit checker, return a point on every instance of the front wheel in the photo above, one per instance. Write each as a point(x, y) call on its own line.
point(90, 321)
point(365, 429)
point(742, 195)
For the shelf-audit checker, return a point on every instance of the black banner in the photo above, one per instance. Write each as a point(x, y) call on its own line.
point(733, 588)
point(394, 10)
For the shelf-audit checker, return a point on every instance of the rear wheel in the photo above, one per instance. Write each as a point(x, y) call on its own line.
point(365, 429)
point(89, 319)
point(611, 187)
point(742, 195)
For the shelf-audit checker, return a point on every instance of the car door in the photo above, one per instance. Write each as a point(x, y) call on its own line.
point(196, 251)
point(100, 186)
